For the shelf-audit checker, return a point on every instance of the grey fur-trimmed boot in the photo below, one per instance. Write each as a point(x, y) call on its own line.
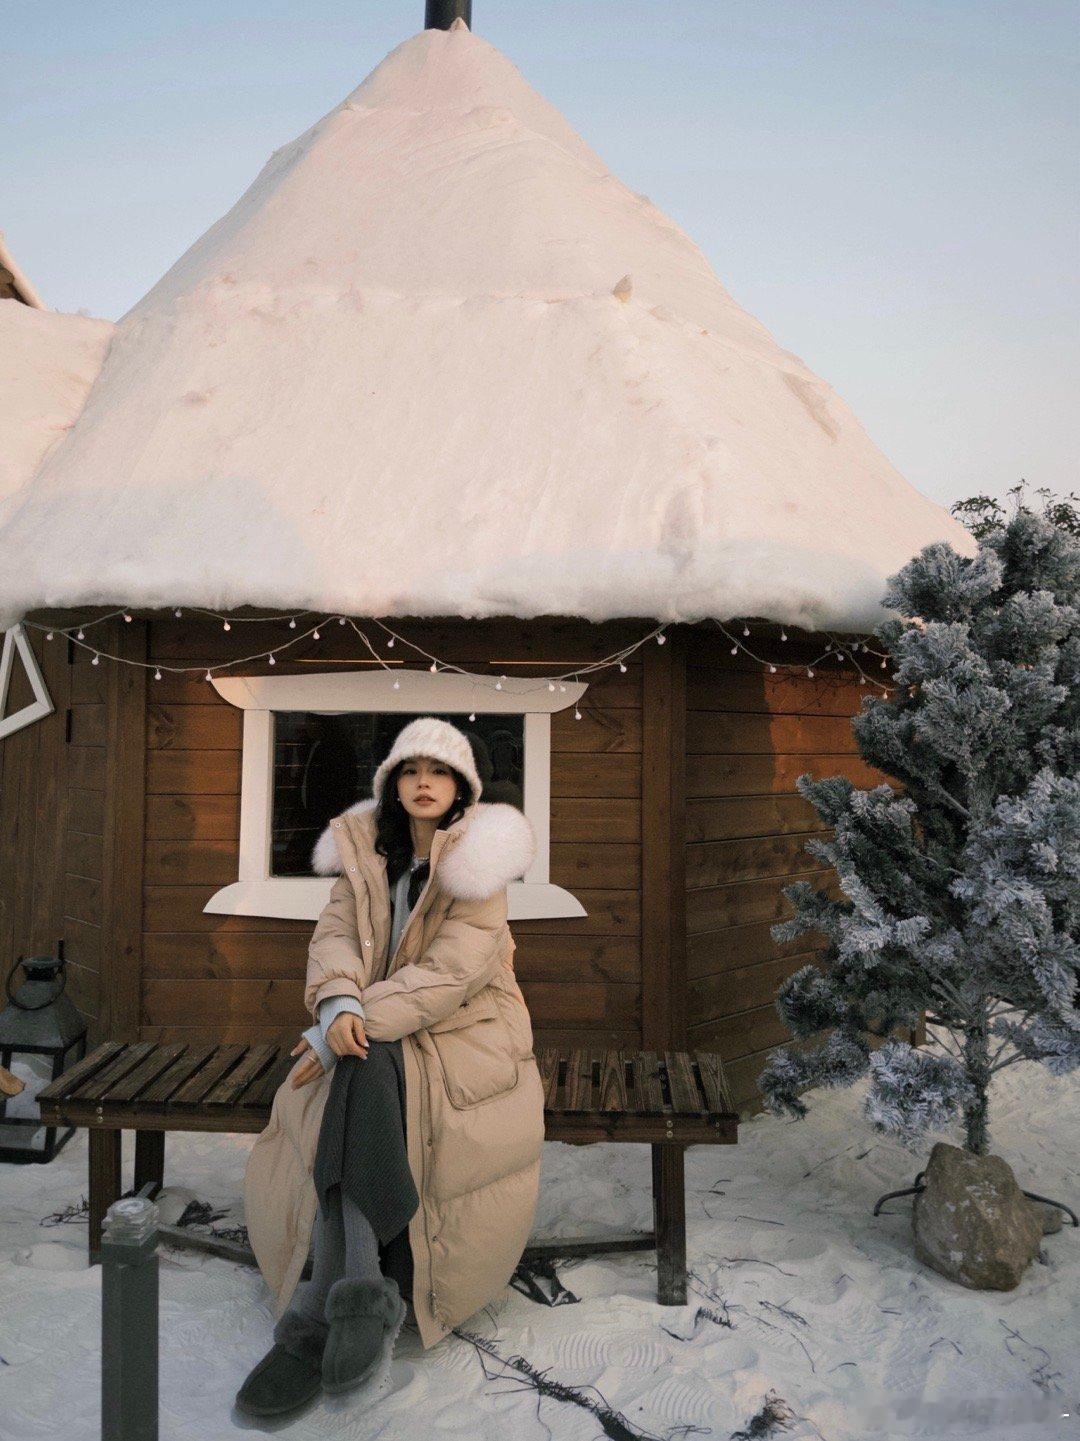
point(291, 1371)
point(365, 1317)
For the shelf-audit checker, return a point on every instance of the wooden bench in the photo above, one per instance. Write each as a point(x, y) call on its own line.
point(670, 1100)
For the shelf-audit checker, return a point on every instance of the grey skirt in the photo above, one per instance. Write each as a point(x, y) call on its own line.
point(362, 1149)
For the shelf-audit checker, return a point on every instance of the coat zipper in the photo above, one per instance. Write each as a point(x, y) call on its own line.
point(433, 1300)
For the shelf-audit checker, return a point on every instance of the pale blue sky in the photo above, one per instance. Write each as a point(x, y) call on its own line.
point(890, 187)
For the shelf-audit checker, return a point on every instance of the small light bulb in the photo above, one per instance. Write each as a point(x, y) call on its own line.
point(734, 650)
point(661, 638)
point(862, 680)
point(577, 713)
point(772, 668)
point(80, 636)
point(809, 672)
point(622, 667)
point(227, 626)
point(49, 636)
point(434, 666)
point(498, 685)
point(315, 635)
point(472, 715)
point(882, 665)
point(178, 612)
point(96, 659)
point(127, 617)
point(783, 633)
point(390, 643)
point(746, 630)
point(157, 675)
point(272, 660)
point(551, 685)
point(397, 685)
point(292, 623)
point(209, 676)
point(561, 686)
point(341, 620)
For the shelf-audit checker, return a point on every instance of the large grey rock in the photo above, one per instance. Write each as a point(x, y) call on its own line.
point(973, 1223)
point(1051, 1218)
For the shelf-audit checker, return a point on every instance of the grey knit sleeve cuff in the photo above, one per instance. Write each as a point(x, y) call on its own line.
point(314, 1038)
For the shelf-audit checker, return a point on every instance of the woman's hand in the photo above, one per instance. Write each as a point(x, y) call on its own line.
point(311, 1068)
point(346, 1035)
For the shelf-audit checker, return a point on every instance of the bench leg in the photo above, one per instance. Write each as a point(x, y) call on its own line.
point(150, 1160)
point(104, 1182)
point(669, 1220)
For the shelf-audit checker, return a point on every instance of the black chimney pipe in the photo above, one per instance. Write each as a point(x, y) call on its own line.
point(441, 14)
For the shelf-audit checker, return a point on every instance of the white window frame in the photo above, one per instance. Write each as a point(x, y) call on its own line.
point(257, 893)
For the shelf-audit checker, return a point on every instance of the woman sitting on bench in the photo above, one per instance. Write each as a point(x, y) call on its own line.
point(411, 1166)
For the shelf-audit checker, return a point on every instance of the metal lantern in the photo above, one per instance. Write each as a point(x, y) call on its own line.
point(41, 1035)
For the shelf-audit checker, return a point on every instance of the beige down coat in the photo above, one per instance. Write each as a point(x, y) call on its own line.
point(474, 1099)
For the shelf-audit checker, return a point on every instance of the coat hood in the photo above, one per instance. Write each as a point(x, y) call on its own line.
point(494, 845)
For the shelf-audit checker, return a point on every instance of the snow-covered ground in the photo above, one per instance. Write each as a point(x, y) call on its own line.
point(795, 1292)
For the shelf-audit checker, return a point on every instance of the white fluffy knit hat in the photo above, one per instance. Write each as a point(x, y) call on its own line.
point(436, 739)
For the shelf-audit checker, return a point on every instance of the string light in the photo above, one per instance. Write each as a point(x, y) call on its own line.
point(842, 648)
point(178, 613)
point(472, 715)
point(577, 713)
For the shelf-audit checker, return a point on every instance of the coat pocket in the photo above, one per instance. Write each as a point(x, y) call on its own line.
point(475, 1052)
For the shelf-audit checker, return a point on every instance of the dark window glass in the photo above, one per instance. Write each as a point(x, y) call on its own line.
point(323, 763)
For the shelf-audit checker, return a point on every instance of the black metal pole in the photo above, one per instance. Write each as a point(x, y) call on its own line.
point(441, 14)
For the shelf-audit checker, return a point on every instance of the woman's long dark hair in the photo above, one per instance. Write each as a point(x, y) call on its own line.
point(393, 838)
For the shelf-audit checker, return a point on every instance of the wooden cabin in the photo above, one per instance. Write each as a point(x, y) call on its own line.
point(674, 820)
point(440, 373)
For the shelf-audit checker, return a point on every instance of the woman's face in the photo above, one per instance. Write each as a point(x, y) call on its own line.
point(427, 788)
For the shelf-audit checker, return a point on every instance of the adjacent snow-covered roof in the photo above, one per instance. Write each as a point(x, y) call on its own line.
point(48, 363)
point(439, 360)
point(12, 277)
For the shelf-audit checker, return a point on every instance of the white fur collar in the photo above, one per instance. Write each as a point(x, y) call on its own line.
point(496, 846)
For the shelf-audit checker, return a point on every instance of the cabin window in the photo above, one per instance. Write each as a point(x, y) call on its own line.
point(323, 762)
point(312, 743)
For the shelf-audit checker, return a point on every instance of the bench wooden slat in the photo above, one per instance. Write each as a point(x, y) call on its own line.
point(579, 1080)
point(97, 1087)
point(711, 1070)
point(230, 1090)
point(647, 1076)
point(612, 1090)
point(193, 1092)
point(685, 1096)
point(547, 1063)
point(181, 1069)
point(94, 1061)
point(263, 1092)
point(157, 1061)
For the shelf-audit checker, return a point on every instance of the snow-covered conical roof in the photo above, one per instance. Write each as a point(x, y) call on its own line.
point(439, 360)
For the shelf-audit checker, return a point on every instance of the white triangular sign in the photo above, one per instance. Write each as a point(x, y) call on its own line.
point(41, 705)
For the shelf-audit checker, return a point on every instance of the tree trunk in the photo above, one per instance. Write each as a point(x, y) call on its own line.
point(977, 1068)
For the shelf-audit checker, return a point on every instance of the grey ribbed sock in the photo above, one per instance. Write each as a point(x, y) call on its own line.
point(328, 1261)
point(361, 1243)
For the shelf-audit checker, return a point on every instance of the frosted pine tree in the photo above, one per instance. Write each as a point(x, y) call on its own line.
point(961, 889)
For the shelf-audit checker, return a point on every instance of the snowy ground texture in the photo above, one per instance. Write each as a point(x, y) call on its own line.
point(796, 1293)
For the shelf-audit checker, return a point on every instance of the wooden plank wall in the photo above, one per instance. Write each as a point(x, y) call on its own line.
point(31, 818)
point(750, 734)
point(240, 978)
point(53, 818)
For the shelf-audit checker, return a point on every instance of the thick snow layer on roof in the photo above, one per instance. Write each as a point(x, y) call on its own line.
point(48, 363)
point(438, 360)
